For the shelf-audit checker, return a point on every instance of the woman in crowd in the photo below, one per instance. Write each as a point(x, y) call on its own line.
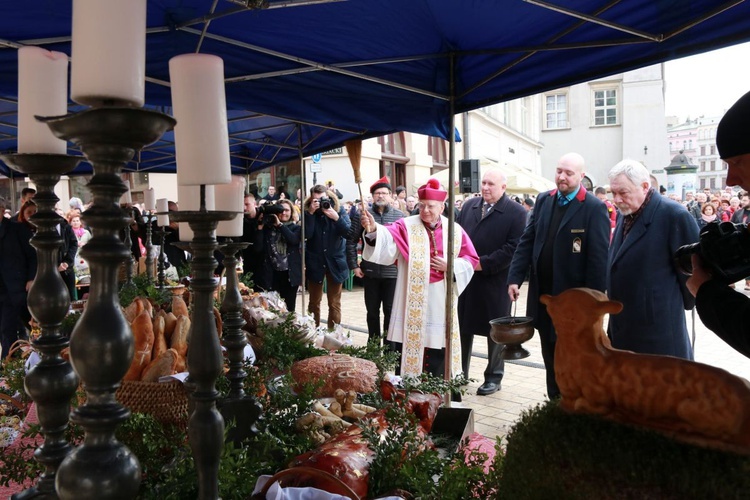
point(83, 236)
point(708, 215)
point(27, 210)
point(280, 240)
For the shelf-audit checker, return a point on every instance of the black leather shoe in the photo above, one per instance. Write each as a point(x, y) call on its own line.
point(488, 388)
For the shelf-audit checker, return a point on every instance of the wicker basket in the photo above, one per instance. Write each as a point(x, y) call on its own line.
point(166, 402)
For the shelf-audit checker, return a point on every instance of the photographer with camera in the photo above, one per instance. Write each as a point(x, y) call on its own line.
point(279, 238)
point(326, 229)
point(723, 310)
point(641, 271)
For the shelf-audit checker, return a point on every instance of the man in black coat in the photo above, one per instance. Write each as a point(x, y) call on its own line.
point(17, 270)
point(379, 281)
point(67, 257)
point(565, 245)
point(495, 224)
point(253, 255)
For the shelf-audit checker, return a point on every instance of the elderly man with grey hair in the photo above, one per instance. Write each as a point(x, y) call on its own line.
point(641, 270)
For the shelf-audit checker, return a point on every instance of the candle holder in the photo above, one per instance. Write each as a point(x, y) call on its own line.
point(101, 345)
point(149, 246)
point(161, 234)
point(205, 362)
point(128, 241)
point(52, 382)
point(237, 406)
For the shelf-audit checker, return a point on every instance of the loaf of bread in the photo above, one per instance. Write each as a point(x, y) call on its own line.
point(337, 371)
point(180, 335)
point(133, 310)
point(160, 342)
point(162, 366)
point(179, 307)
point(170, 320)
point(143, 334)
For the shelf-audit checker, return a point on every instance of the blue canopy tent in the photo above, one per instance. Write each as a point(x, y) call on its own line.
point(303, 76)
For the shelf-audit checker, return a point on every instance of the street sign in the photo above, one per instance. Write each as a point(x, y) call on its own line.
point(316, 158)
point(316, 168)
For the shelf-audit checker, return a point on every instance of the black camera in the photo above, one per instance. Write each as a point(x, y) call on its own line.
point(270, 209)
point(724, 247)
point(325, 202)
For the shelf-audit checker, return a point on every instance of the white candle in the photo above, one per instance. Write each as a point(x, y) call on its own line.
point(149, 200)
point(42, 91)
point(231, 198)
point(162, 205)
point(189, 198)
point(108, 52)
point(200, 108)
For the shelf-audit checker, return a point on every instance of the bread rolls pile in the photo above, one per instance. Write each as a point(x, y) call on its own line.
point(161, 339)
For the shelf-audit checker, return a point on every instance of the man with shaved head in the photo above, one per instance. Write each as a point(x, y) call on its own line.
point(564, 245)
point(494, 223)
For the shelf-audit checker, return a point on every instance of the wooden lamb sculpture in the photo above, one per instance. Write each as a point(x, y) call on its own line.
point(689, 401)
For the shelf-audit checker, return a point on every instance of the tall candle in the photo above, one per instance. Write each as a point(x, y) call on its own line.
point(231, 198)
point(108, 52)
point(189, 198)
point(200, 108)
point(162, 205)
point(149, 200)
point(42, 91)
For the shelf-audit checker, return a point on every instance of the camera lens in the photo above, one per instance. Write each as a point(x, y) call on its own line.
point(325, 205)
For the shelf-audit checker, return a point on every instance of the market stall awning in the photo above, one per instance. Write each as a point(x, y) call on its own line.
point(305, 75)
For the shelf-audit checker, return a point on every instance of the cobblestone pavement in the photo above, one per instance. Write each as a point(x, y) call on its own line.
point(523, 385)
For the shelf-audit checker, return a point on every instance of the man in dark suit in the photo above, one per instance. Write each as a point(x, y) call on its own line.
point(642, 274)
point(563, 246)
point(495, 224)
point(17, 271)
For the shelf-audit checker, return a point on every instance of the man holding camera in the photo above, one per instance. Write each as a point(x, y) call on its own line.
point(326, 229)
point(723, 310)
point(641, 269)
point(379, 280)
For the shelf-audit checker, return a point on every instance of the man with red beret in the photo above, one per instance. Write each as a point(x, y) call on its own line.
point(379, 280)
point(419, 245)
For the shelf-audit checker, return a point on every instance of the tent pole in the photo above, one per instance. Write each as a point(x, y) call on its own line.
point(303, 189)
point(451, 231)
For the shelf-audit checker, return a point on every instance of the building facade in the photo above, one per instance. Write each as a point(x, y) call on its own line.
point(606, 121)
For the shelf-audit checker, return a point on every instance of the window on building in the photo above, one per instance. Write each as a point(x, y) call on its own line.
point(684, 145)
point(713, 149)
point(437, 148)
point(690, 144)
point(394, 159)
point(605, 107)
point(555, 111)
point(713, 165)
point(712, 183)
point(703, 150)
point(703, 166)
point(703, 183)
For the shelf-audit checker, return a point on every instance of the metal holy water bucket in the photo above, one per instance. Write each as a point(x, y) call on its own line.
point(512, 331)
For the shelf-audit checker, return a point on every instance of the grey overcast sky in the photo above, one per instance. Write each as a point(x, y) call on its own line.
point(708, 83)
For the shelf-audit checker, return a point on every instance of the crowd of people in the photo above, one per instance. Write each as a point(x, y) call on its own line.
point(621, 239)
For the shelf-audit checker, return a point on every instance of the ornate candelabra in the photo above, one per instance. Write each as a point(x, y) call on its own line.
point(161, 233)
point(238, 406)
point(52, 382)
point(128, 241)
point(205, 363)
point(101, 345)
point(149, 245)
